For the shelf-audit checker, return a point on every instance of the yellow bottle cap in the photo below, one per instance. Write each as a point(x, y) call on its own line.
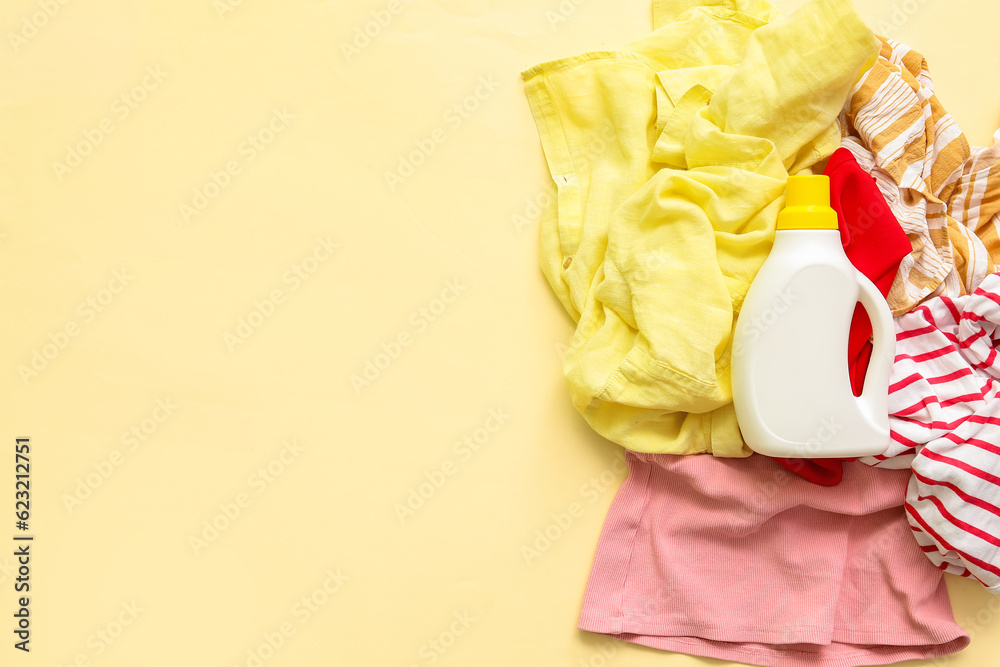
point(807, 204)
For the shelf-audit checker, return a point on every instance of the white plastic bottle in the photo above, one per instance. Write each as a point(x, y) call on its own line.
point(791, 384)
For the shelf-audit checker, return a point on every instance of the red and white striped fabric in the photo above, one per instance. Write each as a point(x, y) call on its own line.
point(944, 407)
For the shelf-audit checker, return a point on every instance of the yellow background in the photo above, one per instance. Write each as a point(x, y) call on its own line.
point(116, 579)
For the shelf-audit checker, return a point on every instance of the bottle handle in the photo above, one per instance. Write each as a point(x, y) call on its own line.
point(875, 394)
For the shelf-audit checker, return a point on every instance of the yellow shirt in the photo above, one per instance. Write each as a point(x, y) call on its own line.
point(669, 159)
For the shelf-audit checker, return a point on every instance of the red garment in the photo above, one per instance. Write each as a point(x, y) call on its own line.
point(875, 244)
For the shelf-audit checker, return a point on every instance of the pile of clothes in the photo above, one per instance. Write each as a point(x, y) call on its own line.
point(669, 159)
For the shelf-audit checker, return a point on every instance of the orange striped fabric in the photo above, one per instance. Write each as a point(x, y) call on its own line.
point(945, 193)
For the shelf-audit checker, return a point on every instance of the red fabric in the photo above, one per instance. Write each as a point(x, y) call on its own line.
point(875, 244)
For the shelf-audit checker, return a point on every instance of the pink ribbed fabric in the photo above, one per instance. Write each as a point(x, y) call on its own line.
point(739, 559)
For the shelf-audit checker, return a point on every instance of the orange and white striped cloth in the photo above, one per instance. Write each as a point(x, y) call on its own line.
point(944, 414)
point(945, 194)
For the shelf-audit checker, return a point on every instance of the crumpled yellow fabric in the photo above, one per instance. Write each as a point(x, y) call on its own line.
point(669, 159)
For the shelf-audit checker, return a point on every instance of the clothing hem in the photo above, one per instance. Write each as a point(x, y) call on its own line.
point(885, 647)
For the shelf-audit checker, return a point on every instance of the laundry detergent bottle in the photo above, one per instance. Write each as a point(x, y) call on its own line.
point(791, 384)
